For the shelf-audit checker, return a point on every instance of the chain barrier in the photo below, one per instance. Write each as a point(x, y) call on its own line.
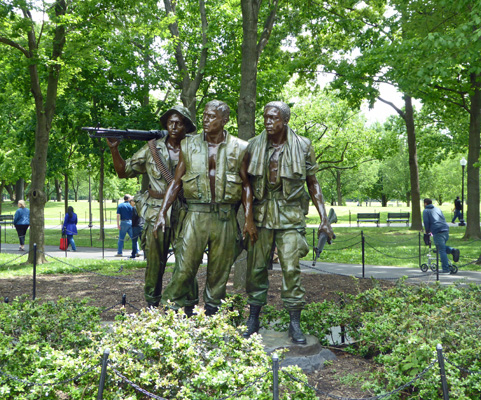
point(89, 271)
point(346, 240)
point(397, 242)
point(344, 248)
point(235, 394)
point(153, 396)
point(360, 277)
point(28, 383)
point(14, 259)
point(112, 307)
point(135, 386)
point(461, 368)
point(382, 396)
point(387, 255)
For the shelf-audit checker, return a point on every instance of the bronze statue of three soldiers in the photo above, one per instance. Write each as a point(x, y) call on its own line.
point(209, 176)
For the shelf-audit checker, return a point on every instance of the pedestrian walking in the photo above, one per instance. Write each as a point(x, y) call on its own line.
point(21, 221)
point(124, 222)
point(69, 227)
point(137, 226)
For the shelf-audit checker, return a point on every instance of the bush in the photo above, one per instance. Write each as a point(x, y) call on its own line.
point(164, 353)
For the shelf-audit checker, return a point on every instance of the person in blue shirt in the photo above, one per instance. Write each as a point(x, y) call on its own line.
point(137, 226)
point(69, 227)
point(125, 213)
point(435, 223)
point(21, 221)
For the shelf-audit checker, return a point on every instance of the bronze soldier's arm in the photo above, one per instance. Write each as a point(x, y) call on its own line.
point(316, 195)
point(172, 191)
point(247, 201)
point(119, 162)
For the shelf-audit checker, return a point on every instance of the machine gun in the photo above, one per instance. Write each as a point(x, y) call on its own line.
point(323, 238)
point(120, 134)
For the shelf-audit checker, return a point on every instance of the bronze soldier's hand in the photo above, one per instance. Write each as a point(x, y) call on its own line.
point(251, 230)
point(326, 227)
point(112, 143)
point(160, 223)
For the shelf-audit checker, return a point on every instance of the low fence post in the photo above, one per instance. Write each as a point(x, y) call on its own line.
point(102, 232)
point(5, 300)
point(103, 374)
point(349, 218)
point(419, 239)
point(439, 349)
point(275, 376)
point(313, 243)
point(437, 263)
point(34, 270)
point(363, 252)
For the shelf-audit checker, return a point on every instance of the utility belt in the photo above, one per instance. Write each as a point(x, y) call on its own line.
point(223, 209)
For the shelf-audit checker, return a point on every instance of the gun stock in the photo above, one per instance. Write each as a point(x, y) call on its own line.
point(129, 134)
point(321, 242)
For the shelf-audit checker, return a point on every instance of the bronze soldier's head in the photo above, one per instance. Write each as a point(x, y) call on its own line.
point(216, 115)
point(276, 117)
point(182, 113)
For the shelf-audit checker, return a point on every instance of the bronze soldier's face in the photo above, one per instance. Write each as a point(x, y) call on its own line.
point(175, 125)
point(212, 120)
point(273, 121)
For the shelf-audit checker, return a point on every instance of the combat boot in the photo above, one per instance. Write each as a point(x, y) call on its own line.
point(252, 323)
point(209, 310)
point(189, 311)
point(295, 332)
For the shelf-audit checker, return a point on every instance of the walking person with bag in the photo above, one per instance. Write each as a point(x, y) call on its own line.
point(21, 221)
point(69, 227)
point(137, 226)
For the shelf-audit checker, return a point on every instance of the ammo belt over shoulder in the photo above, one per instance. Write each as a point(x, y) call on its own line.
point(210, 207)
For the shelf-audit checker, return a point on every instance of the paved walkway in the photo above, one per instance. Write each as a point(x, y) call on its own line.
point(375, 271)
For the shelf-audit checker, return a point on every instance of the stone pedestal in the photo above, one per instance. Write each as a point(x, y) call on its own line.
point(309, 357)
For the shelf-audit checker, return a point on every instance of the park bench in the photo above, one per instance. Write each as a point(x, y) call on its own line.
point(398, 217)
point(6, 219)
point(368, 217)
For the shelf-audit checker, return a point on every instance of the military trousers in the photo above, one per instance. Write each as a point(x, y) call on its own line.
point(219, 232)
point(291, 247)
point(157, 251)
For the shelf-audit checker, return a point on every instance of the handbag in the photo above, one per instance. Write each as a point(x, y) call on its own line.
point(63, 243)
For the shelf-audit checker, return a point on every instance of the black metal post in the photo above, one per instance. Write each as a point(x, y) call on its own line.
point(34, 271)
point(102, 232)
point(419, 249)
point(1, 236)
point(103, 374)
point(462, 223)
point(437, 263)
point(349, 218)
point(275, 376)
point(343, 328)
point(442, 371)
point(362, 246)
point(90, 209)
point(313, 243)
point(5, 300)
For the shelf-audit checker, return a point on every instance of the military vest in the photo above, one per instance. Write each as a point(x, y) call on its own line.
point(228, 183)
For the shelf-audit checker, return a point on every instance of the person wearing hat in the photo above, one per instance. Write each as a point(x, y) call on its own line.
point(178, 123)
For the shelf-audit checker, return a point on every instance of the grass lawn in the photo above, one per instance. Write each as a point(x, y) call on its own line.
point(392, 246)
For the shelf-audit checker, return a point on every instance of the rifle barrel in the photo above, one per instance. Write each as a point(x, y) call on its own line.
point(131, 134)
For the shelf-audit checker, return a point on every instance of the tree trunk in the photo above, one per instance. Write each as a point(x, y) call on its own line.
point(472, 204)
point(36, 194)
point(2, 186)
point(19, 190)
point(383, 200)
point(246, 107)
point(58, 190)
point(11, 194)
point(416, 220)
point(65, 181)
point(101, 189)
point(338, 187)
point(408, 199)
